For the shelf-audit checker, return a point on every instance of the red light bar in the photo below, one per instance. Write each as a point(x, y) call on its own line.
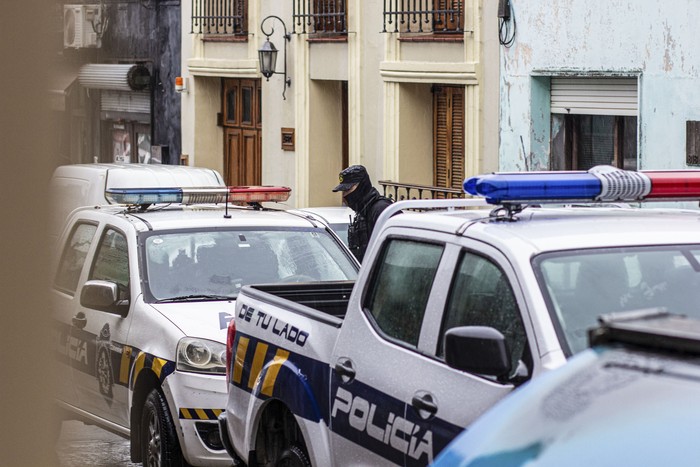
point(258, 194)
point(674, 184)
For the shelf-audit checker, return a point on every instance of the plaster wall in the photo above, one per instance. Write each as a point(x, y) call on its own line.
point(653, 40)
point(416, 134)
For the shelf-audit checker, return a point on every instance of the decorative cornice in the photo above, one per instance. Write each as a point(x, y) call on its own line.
point(431, 72)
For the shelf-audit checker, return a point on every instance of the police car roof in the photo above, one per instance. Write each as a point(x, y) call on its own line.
point(202, 216)
point(551, 229)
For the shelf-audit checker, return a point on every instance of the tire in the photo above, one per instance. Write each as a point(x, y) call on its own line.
point(159, 444)
point(293, 456)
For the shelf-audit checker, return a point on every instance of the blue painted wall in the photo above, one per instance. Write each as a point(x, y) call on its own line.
point(656, 40)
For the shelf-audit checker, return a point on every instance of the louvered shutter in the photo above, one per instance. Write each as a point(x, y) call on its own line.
point(448, 137)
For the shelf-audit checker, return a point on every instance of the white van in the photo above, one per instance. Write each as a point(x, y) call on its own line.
point(77, 185)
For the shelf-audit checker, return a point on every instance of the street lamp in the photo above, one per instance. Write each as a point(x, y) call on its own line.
point(268, 54)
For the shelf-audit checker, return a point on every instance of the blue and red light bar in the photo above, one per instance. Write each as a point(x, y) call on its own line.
point(599, 184)
point(201, 195)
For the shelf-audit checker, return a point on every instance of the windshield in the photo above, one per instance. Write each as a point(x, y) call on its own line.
point(191, 265)
point(580, 286)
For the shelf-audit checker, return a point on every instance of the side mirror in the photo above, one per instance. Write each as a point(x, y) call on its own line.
point(104, 296)
point(477, 349)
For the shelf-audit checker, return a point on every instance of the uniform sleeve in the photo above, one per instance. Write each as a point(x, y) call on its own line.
point(374, 213)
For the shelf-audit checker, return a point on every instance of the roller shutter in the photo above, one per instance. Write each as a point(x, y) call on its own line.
point(594, 96)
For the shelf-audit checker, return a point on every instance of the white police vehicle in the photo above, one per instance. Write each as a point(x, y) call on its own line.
point(451, 311)
point(142, 293)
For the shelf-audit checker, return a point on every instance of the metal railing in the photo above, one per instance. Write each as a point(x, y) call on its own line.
point(424, 16)
point(220, 17)
point(405, 191)
point(327, 17)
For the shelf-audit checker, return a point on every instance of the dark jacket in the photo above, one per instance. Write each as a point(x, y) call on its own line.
point(368, 204)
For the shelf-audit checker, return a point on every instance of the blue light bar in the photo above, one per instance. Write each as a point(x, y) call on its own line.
point(601, 183)
point(140, 196)
point(523, 187)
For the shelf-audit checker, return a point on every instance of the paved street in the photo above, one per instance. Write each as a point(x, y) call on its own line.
point(83, 445)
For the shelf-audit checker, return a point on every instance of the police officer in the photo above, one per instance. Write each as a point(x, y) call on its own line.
point(365, 200)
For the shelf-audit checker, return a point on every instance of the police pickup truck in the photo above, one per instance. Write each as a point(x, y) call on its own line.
point(141, 297)
point(451, 311)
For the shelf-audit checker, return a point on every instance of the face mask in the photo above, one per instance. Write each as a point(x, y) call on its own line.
point(355, 198)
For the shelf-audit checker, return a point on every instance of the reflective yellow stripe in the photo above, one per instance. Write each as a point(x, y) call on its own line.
point(201, 414)
point(217, 412)
point(240, 358)
point(124, 367)
point(258, 360)
point(186, 413)
point(157, 365)
point(273, 370)
point(138, 366)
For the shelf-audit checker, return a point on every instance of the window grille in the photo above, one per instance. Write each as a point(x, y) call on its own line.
point(326, 17)
point(424, 16)
point(220, 17)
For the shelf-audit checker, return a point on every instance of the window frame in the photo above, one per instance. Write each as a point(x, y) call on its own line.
point(527, 352)
point(105, 229)
point(64, 253)
point(373, 279)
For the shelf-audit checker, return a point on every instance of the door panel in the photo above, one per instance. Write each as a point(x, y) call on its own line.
point(70, 272)
point(101, 387)
point(242, 132)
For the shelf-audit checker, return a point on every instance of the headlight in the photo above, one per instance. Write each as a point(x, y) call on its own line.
point(201, 356)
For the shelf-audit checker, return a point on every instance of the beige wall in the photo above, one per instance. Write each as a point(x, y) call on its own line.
point(389, 103)
point(209, 137)
point(325, 148)
point(415, 134)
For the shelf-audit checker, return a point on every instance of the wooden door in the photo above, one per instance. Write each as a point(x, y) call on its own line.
point(242, 122)
point(448, 136)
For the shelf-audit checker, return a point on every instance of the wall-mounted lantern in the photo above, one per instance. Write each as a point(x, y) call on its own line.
point(268, 54)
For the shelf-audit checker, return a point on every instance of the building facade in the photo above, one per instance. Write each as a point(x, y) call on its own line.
point(595, 82)
point(408, 89)
point(111, 92)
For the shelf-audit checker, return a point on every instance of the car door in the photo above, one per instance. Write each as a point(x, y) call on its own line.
point(404, 403)
point(101, 378)
point(478, 288)
point(70, 271)
point(377, 355)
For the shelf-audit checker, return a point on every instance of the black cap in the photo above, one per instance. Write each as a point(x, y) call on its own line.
point(350, 176)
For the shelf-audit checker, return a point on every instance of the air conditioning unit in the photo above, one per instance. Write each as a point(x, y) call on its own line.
point(80, 25)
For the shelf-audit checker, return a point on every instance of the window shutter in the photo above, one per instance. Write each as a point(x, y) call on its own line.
point(594, 96)
point(441, 144)
point(448, 15)
point(457, 155)
point(448, 137)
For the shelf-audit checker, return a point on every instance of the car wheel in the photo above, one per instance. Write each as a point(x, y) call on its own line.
point(159, 443)
point(293, 456)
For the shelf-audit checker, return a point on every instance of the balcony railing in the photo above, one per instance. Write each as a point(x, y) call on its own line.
point(220, 17)
point(424, 16)
point(323, 17)
point(403, 191)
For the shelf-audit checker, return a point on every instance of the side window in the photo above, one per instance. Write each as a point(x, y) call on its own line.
point(112, 262)
point(481, 295)
point(401, 287)
point(73, 257)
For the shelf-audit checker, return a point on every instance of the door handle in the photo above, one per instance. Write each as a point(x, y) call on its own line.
point(79, 320)
point(344, 368)
point(425, 404)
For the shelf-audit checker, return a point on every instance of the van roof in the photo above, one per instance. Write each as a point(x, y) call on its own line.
point(77, 185)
